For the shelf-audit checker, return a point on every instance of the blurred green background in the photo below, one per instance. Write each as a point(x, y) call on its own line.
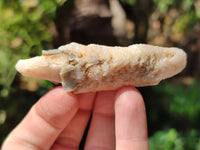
point(28, 26)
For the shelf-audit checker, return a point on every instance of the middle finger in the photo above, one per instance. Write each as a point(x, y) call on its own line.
point(101, 134)
point(71, 136)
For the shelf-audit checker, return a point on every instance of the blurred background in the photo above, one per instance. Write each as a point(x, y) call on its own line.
point(28, 26)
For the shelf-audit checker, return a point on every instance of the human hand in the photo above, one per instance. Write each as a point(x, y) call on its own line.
point(58, 120)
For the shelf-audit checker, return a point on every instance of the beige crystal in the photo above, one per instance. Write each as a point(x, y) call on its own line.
point(94, 67)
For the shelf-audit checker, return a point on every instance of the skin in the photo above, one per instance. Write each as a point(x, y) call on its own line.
point(58, 120)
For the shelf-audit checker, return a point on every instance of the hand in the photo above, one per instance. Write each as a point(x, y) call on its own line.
point(58, 120)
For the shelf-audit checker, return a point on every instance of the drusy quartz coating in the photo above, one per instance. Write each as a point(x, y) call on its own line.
point(86, 68)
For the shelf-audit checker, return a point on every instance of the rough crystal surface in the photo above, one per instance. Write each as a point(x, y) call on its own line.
point(85, 68)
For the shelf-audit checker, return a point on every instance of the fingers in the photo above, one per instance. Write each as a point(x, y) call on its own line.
point(44, 122)
point(58, 110)
point(130, 120)
point(101, 133)
point(71, 136)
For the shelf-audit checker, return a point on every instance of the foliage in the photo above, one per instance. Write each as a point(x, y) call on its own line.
point(172, 140)
point(165, 140)
point(173, 111)
point(23, 32)
point(163, 5)
point(130, 2)
point(184, 15)
point(182, 100)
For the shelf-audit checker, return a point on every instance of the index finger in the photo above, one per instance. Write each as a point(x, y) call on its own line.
point(44, 122)
point(130, 120)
